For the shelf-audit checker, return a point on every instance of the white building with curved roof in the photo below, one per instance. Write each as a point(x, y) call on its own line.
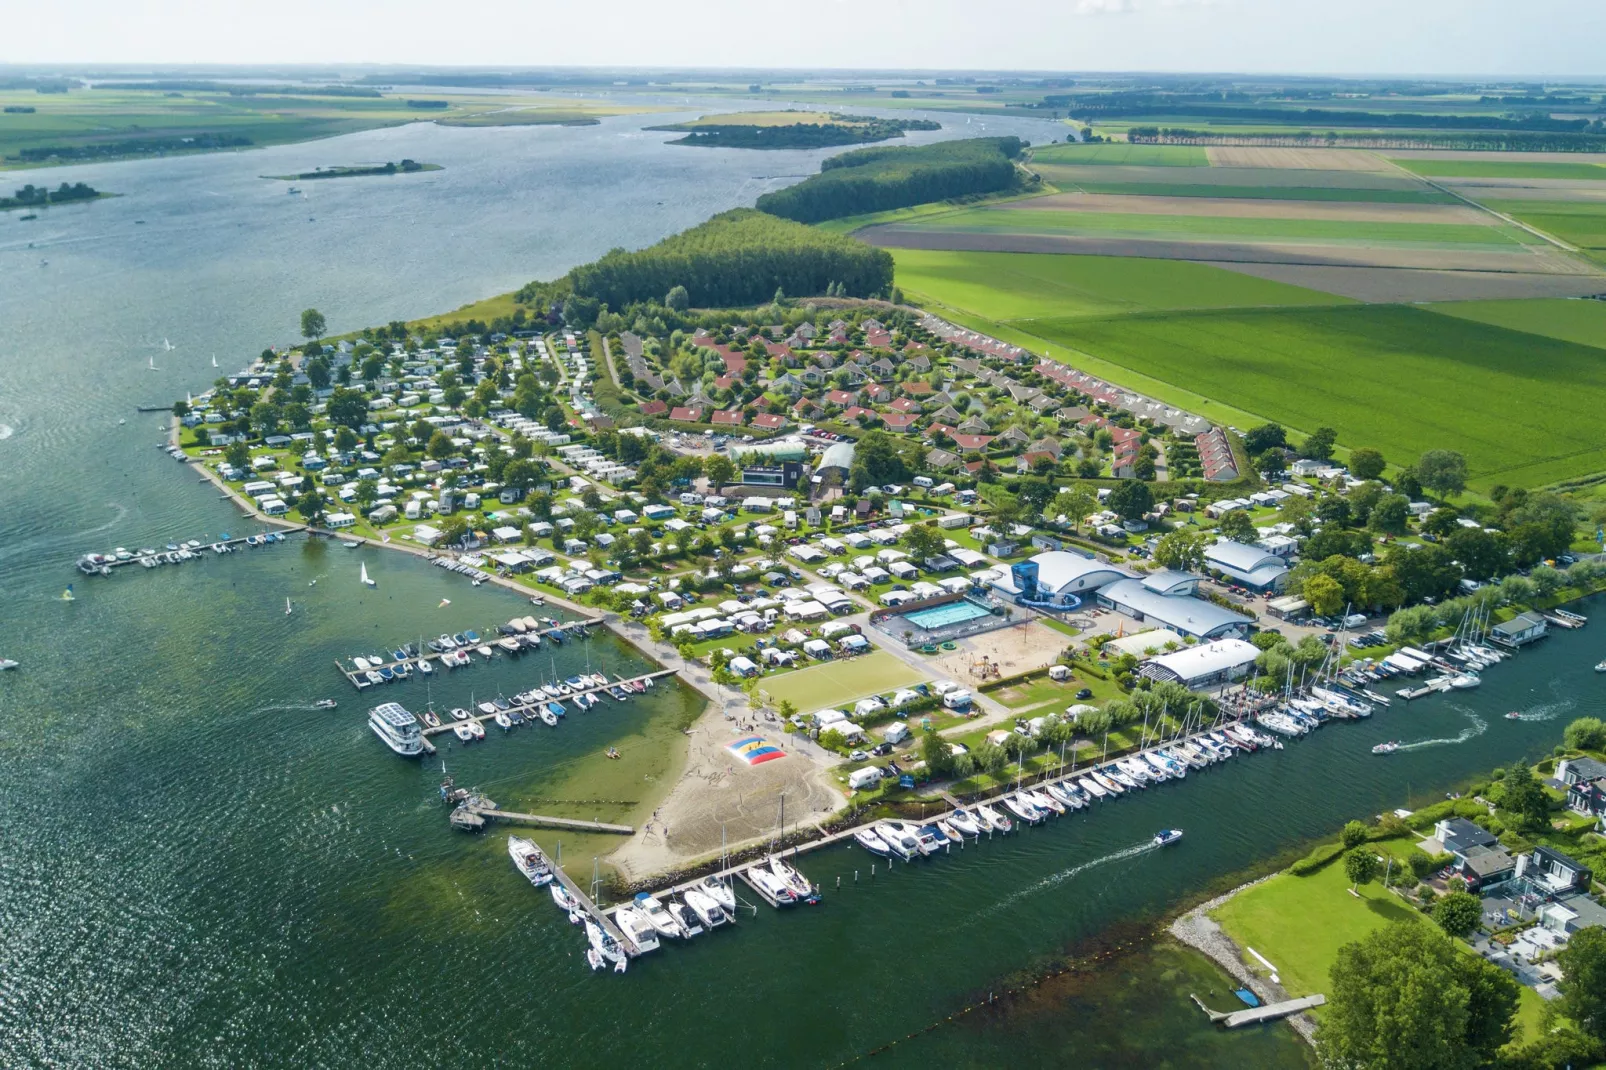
point(1203, 665)
point(1063, 578)
point(1251, 566)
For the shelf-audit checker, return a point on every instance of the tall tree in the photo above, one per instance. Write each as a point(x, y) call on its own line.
point(1130, 499)
point(1583, 985)
point(1443, 471)
point(1181, 549)
point(1458, 913)
point(1366, 463)
point(312, 324)
point(1075, 504)
point(1360, 866)
point(1403, 998)
point(1237, 526)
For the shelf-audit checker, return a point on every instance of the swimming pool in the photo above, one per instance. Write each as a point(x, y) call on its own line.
point(944, 615)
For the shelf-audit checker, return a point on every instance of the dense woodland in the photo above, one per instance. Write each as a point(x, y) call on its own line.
point(740, 257)
point(852, 130)
point(875, 180)
point(31, 196)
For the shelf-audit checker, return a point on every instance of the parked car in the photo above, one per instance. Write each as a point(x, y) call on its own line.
point(1085, 693)
point(858, 756)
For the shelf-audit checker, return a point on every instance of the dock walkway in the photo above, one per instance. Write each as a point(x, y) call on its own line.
point(563, 629)
point(545, 821)
point(476, 715)
point(1271, 1012)
point(589, 908)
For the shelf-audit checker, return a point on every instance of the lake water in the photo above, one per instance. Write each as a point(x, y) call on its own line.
point(199, 870)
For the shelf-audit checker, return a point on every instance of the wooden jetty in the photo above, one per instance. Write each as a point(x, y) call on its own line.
point(1270, 1012)
point(357, 680)
point(476, 715)
point(587, 907)
point(201, 551)
point(544, 821)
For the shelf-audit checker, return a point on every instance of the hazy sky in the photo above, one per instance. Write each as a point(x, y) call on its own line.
point(1527, 37)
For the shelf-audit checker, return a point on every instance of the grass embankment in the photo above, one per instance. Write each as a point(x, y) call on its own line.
point(1299, 923)
point(1522, 408)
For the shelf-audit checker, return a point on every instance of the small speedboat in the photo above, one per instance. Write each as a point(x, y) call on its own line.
point(961, 820)
point(476, 728)
point(463, 731)
point(1391, 746)
point(503, 721)
point(547, 717)
point(867, 839)
point(322, 704)
point(459, 714)
point(1512, 716)
point(1600, 666)
point(719, 892)
point(1167, 836)
point(424, 667)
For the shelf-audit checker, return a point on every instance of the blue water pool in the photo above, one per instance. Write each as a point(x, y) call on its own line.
point(943, 616)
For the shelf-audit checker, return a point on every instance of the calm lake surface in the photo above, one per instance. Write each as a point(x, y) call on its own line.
point(200, 870)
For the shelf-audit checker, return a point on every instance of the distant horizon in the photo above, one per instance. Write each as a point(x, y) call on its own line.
point(1427, 39)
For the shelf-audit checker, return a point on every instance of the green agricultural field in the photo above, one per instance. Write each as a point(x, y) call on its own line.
point(1255, 178)
point(1010, 286)
point(837, 683)
point(1195, 228)
point(1122, 153)
point(1578, 321)
point(1582, 223)
point(1523, 408)
point(1267, 193)
point(1504, 169)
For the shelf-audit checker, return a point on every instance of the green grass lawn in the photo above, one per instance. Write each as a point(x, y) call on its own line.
point(1580, 321)
point(1008, 286)
point(834, 683)
point(1504, 169)
point(1521, 407)
point(1197, 227)
point(1299, 923)
point(1123, 153)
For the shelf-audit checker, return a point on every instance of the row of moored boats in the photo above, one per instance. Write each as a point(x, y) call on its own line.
point(455, 651)
point(174, 553)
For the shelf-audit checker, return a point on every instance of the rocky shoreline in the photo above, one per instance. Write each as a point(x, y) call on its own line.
point(1200, 932)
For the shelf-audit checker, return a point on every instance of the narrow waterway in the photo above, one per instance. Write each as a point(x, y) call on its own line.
point(201, 870)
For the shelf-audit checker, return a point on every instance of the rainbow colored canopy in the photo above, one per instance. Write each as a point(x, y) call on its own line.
point(755, 749)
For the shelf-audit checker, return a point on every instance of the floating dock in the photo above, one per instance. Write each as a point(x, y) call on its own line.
point(356, 678)
point(587, 907)
point(1268, 1013)
point(543, 821)
point(200, 552)
point(477, 715)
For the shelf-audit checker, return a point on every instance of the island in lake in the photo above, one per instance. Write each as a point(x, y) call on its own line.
point(792, 130)
point(31, 196)
point(358, 171)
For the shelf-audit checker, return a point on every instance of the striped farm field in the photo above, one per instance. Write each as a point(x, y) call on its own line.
point(1270, 193)
point(1504, 169)
point(1009, 286)
point(1582, 223)
point(1523, 408)
point(1120, 153)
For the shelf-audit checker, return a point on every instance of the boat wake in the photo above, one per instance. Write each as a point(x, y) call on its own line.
point(1478, 727)
point(1064, 875)
point(1546, 711)
point(18, 547)
point(289, 707)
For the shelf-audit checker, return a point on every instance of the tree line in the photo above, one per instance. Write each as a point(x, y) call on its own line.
point(878, 179)
point(1480, 140)
point(740, 257)
point(31, 196)
point(1333, 117)
point(854, 130)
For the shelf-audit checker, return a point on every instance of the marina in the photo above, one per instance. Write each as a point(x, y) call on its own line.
point(458, 650)
point(178, 553)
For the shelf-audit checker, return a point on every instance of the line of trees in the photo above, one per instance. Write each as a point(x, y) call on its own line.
point(879, 179)
point(801, 135)
point(1333, 117)
point(740, 257)
point(31, 196)
point(1479, 140)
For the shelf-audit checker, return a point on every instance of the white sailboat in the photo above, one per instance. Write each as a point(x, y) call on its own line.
point(214, 360)
point(167, 346)
point(153, 366)
point(365, 579)
point(287, 607)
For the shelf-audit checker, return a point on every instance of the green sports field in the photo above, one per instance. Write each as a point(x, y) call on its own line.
point(1504, 169)
point(1523, 408)
point(836, 683)
point(1009, 286)
point(1123, 154)
point(1578, 321)
point(1201, 227)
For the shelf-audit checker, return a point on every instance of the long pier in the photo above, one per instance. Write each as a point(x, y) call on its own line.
point(199, 552)
point(563, 628)
point(586, 905)
point(477, 715)
point(543, 821)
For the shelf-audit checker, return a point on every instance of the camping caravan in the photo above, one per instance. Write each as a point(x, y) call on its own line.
point(868, 777)
point(896, 732)
point(957, 700)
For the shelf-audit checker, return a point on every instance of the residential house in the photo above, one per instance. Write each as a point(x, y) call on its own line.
point(686, 414)
point(654, 408)
point(899, 421)
point(727, 418)
point(769, 421)
point(1520, 630)
point(844, 398)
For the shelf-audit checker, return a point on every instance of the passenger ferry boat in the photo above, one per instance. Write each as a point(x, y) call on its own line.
point(399, 729)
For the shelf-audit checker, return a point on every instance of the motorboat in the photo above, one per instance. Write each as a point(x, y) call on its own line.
point(398, 728)
point(373, 677)
point(528, 860)
point(931, 840)
point(690, 924)
point(515, 717)
point(1167, 836)
point(486, 708)
point(659, 916)
point(425, 668)
point(484, 651)
point(708, 911)
point(386, 673)
point(719, 891)
point(867, 838)
point(1465, 681)
point(463, 732)
point(322, 704)
point(509, 644)
point(997, 821)
point(771, 886)
point(566, 902)
point(1110, 786)
point(965, 823)
point(901, 843)
point(547, 717)
point(361, 663)
point(1390, 747)
point(1092, 787)
point(459, 714)
point(503, 721)
point(476, 728)
point(637, 929)
point(557, 708)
